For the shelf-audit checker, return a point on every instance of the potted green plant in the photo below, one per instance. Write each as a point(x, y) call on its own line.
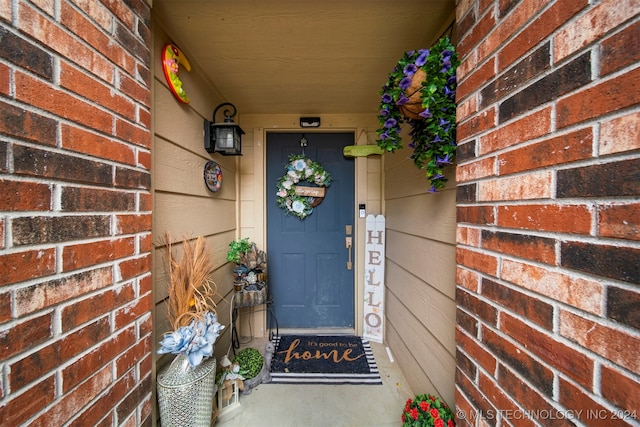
point(237, 249)
point(421, 91)
point(246, 254)
point(254, 366)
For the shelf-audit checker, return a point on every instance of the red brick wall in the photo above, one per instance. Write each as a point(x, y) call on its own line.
point(548, 207)
point(75, 213)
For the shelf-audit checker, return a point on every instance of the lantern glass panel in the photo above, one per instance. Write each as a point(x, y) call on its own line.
point(225, 138)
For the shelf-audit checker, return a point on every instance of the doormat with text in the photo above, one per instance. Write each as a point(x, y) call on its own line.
point(323, 359)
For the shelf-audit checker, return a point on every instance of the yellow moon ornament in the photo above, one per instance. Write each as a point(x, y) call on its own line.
point(172, 58)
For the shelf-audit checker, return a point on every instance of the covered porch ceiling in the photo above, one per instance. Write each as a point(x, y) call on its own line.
point(301, 57)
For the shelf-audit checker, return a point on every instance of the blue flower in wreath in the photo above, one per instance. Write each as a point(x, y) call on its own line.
point(297, 206)
point(299, 165)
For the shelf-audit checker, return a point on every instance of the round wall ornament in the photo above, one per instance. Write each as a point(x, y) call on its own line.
point(213, 176)
point(297, 199)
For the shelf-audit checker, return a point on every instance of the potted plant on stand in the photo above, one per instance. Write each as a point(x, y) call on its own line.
point(186, 387)
point(250, 275)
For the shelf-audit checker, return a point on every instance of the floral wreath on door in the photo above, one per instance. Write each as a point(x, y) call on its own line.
point(300, 200)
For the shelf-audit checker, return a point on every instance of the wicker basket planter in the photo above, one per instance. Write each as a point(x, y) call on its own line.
point(413, 107)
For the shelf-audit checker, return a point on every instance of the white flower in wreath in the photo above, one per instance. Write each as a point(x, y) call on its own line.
point(287, 185)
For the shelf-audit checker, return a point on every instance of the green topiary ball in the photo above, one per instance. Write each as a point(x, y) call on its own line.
point(250, 361)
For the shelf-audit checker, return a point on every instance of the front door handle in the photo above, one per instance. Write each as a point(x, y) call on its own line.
point(348, 241)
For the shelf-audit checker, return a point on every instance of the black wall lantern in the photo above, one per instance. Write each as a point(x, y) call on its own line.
point(224, 138)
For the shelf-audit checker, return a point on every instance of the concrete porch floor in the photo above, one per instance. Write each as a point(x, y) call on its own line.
point(283, 405)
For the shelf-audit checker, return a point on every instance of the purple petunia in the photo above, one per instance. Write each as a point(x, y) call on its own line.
point(422, 59)
point(403, 100)
point(450, 93)
point(405, 83)
point(426, 114)
point(444, 124)
point(390, 123)
point(386, 98)
point(410, 70)
point(441, 161)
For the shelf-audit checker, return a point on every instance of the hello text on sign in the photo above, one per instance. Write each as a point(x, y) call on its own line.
point(374, 278)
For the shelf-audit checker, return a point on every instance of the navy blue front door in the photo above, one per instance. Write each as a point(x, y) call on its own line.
point(307, 259)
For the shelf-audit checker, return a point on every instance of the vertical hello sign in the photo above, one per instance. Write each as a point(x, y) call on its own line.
point(374, 278)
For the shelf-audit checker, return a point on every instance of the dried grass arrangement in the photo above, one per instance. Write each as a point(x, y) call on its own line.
point(191, 290)
point(191, 308)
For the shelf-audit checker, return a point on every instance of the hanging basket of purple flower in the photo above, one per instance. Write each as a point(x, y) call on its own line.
point(421, 92)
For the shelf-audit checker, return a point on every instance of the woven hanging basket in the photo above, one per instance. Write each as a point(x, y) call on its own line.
point(413, 107)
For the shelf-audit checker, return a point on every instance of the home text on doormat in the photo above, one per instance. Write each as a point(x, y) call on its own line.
point(323, 359)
